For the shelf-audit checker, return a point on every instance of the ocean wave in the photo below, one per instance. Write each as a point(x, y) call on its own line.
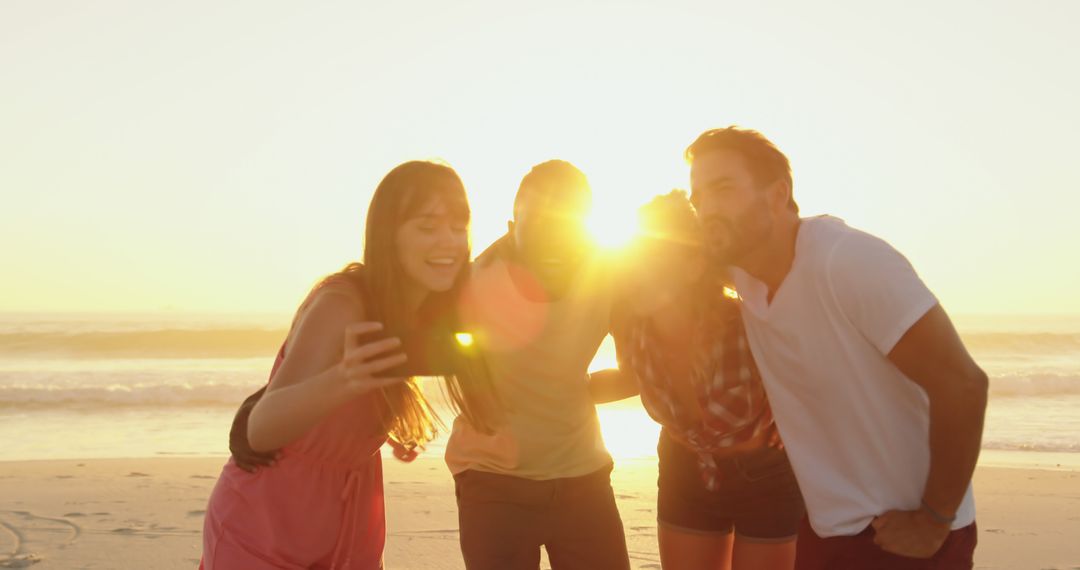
point(1034, 385)
point(167, 343)
point(227, 389)
point(1067, 447)
point(1022, 343)
point(238, 341)
point(29, 398)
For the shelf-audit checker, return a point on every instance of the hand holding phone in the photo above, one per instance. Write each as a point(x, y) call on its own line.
point(428, 352)
point(368, 356)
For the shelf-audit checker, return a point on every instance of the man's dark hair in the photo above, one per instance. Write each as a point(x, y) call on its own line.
point(560, 182)
point(767, 164)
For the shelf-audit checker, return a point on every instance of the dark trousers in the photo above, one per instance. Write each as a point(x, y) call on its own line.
point(505, 520)
point(859, 552)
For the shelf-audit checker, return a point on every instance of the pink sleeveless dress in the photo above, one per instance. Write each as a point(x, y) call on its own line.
point(319, 507)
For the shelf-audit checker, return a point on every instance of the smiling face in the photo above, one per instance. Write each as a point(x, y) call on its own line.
point(433, 245)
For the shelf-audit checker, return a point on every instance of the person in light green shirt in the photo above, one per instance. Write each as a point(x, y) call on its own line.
point(538, 306)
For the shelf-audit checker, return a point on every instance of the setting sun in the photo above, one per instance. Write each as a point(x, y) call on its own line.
point(610, 230)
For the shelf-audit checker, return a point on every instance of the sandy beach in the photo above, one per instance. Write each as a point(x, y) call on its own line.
point(121, 514)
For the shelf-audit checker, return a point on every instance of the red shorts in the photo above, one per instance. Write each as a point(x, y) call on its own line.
point(860, 553)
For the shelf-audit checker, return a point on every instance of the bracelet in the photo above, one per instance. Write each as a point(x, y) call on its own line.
point(936, 515)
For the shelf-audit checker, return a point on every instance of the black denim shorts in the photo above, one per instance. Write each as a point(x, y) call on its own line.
point(504, 520)
point(758, 497)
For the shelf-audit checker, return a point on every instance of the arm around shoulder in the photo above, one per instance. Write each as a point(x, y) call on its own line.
point(614, 384)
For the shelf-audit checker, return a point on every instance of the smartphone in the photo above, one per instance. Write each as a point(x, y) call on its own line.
point(429, 353)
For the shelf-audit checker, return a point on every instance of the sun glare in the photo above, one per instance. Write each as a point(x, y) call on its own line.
point(610, 230)
point(464, 339)
point(628, 433)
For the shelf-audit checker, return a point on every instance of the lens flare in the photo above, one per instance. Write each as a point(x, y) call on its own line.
point(611, 231)
point(464, 339)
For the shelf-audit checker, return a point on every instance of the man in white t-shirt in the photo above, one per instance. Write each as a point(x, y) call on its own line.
point(878, 402)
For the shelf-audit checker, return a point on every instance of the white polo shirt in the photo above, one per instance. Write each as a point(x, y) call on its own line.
point(856, 429)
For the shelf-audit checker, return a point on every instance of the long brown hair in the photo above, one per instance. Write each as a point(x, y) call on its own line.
point(408, 416)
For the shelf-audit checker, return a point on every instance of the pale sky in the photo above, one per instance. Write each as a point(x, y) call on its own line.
point(219, 156)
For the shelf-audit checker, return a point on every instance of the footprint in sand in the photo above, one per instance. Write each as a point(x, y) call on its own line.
point(196, 513)
point(203, 477)
point(138, 474)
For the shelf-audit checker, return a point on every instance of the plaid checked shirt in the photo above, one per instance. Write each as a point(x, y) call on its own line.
point(725, 378)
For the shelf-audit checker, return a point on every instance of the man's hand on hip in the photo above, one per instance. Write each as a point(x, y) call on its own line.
point(910, 533)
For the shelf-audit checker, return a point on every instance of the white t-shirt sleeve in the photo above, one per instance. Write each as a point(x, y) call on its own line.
point(877, 289)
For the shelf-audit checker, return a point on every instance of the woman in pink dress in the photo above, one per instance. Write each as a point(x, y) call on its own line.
point(330, 405)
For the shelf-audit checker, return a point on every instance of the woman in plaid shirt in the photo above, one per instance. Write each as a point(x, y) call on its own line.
point(727, 496)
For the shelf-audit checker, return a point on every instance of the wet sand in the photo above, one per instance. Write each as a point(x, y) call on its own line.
point(121, 514)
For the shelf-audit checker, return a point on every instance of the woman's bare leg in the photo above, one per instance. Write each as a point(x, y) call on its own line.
point(692, 551)
point(751, 555)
